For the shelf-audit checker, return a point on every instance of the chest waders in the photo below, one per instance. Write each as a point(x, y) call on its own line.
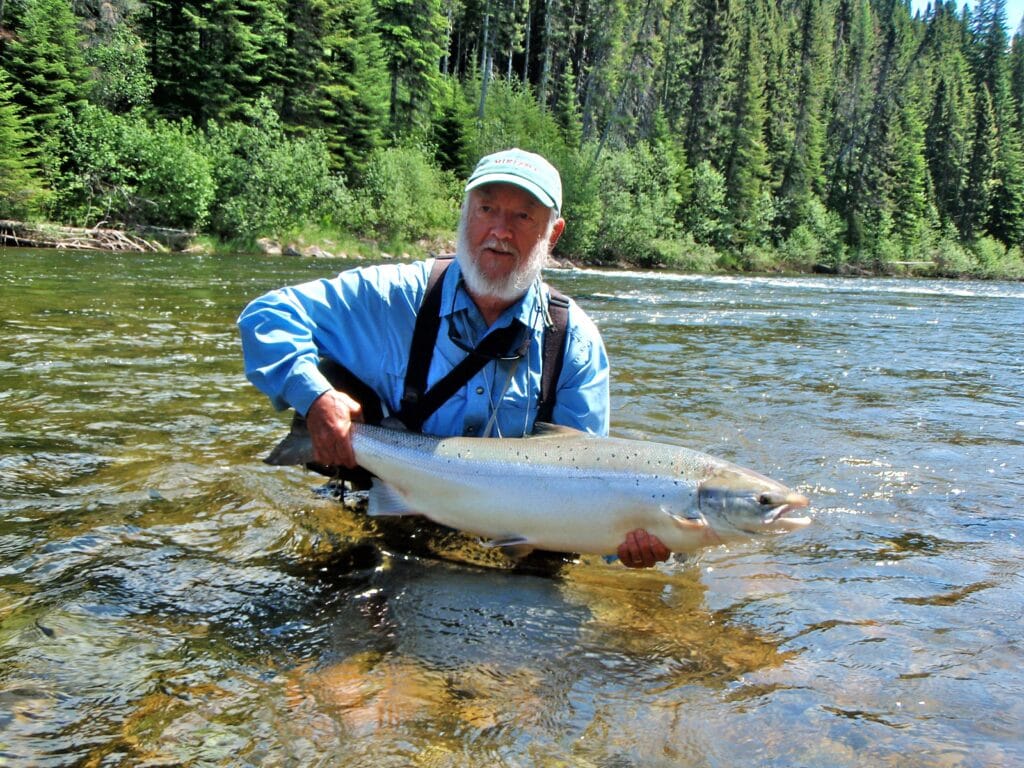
point(419, 403)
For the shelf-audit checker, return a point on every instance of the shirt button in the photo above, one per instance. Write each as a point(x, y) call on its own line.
point(479, 390)
point(470, 430)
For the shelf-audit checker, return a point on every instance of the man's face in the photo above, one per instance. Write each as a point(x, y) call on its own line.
point(505, 236)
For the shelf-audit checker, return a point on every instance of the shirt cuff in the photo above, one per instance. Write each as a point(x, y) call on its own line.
point(305, 384)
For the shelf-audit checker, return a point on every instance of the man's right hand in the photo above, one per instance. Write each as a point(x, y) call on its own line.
point(329, 420)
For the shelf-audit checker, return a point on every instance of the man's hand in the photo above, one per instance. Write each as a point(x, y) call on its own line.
point(641, 550)
point(329, 421)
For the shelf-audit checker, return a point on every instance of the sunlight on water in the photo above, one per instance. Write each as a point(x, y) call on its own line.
point(167, 599)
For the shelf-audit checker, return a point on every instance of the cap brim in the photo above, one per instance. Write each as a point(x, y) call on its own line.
point(519, 181)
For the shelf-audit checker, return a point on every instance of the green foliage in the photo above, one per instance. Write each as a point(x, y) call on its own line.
point(638, 203)
point(405, 197)
point(125, 170)
point(412, 32)
point(121, 80)
point(453, 125)
point(335, 79)
point(266, 182)
point(514, 119)
point(20, 187)
point(706, 215)
point(994, 260)
point(214, 59)
point(750, 135)
point(44, 61)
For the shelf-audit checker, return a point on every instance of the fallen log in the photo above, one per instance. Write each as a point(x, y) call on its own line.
point(25, 235)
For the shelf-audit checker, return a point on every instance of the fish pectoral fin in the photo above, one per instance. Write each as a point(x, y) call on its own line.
point(693, 523)
point(386, 501)
point(516, 547)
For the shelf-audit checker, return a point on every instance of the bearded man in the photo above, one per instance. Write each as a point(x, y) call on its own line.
point(450, 347)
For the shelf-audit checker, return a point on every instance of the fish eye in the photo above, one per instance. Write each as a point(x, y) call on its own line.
point(765, 499)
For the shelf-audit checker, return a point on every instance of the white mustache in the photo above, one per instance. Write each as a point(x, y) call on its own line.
point(500, 246)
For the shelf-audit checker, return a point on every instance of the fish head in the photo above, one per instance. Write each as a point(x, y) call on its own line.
point(737, 498)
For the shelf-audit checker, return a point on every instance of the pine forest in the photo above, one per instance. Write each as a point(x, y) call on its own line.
point(703, 135)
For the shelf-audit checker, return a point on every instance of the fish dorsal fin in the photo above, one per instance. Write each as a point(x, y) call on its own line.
point(393, 422)
point(546, 429)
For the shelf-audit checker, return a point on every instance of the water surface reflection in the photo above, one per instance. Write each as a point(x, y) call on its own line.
point(165, 598)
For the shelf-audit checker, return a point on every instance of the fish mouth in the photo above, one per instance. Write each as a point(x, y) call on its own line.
point(781, 515)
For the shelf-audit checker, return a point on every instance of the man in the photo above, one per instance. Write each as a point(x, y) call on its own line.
point(365, 320)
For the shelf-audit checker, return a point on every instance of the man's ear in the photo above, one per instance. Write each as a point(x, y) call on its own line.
point(556, 232)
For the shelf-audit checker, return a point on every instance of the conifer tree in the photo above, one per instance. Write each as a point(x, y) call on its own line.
point(214, 59)
point(949, 128)
point(710, 43)
point(802, 173)
point(746, 160)
point(850, 110)
point(908, 174)
point(977, 202)
point(45, 64)
point(1017, 78)
point(18, 178)
point(1006, 197)
point(336, 78)
point(567, 110)
point(452, 128)
point(413, 33)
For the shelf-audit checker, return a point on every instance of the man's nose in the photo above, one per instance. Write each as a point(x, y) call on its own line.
point(501, 226)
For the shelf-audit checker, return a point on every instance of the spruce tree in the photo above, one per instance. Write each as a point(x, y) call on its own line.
point(977, 203)
point(413, 33)
point(1005, 218)
point(1017, 79)
point(19, 183)
point(951, 106)
point(337, 82)
point(44, 61)
point(214, 59)
point(710, 44)
point(746, 164)
point(803, 174)
point(850, 108)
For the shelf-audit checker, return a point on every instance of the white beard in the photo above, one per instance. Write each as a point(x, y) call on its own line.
point(508, 288)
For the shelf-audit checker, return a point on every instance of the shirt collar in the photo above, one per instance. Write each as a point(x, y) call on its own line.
point(455, 299)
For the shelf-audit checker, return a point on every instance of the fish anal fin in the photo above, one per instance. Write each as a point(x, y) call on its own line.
point(516, 547)
point(386, 501)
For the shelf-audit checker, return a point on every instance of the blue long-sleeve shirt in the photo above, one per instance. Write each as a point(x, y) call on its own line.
point(364, 320)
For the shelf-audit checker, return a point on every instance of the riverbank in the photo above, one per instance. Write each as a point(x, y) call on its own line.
point(985, 260)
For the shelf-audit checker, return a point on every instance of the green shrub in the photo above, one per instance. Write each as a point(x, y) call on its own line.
point(266, 182)
point(123, 171)
point(404, 196)
point(995, 261)
point(638, 202)
point(802, 249)
point(686, 255)
point(706, 213)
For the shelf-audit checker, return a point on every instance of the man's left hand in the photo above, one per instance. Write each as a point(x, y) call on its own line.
point(641, 550)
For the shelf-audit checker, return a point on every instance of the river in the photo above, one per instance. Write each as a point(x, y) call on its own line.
point(167, 599)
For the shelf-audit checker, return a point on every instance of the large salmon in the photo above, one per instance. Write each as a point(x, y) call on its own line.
point(561, 489)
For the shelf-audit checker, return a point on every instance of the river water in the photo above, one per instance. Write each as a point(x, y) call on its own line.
point(167, 599)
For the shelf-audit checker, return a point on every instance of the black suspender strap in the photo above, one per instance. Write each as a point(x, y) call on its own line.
point(554, 353)
point(421, 350)
point(418, 403)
